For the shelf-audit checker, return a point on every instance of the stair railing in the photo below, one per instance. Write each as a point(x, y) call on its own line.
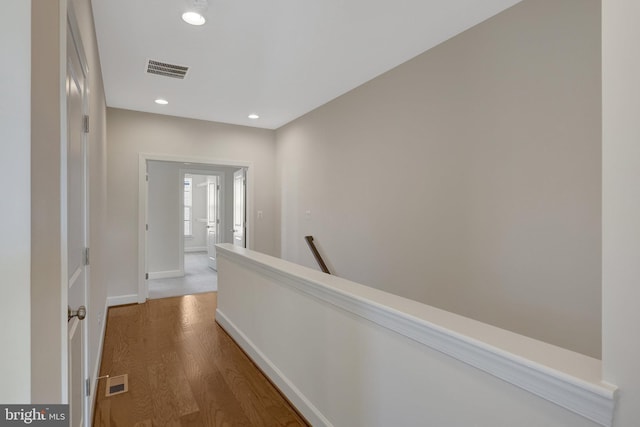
point(316, 254)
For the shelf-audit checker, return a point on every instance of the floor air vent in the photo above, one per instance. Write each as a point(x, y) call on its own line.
point(117, 385)
point(166, 69)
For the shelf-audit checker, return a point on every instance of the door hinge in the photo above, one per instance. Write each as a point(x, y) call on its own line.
point(217, 187)
point(217, 221)
point(87, 387)
point(146, 276)
point(147, 177)
point(85, 123)
point(147, 227)
point(86, 256)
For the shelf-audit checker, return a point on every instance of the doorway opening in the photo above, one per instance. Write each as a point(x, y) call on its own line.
point(203, 218)
point(188, 208)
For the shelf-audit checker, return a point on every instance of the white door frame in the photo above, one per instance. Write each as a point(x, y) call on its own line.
point(241, 173)
point(143, 158)
point(219, 220)
point(64, 259)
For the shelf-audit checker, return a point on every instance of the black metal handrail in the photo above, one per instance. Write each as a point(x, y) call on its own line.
point(316, 254)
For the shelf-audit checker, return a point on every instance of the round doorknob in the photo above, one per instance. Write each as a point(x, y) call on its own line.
point(80, 313)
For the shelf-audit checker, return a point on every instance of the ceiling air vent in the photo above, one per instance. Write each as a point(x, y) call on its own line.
point(165, 69)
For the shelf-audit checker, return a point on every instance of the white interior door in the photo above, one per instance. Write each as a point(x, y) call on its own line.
point(213, 220)
point(76, 193)
point(239, 208)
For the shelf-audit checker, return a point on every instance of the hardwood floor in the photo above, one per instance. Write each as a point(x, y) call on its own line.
point(184, 370)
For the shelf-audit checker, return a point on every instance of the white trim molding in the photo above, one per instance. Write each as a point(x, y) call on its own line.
point(170, 274)
point(196, 249)
point(565, 378)
point(121, 300)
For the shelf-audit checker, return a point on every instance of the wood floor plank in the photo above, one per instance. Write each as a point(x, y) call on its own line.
point(103, 416)
point(121, 354)
point(192, 420)
point(178, 384)
point(162, 397)
point(218, 404)
point(184, 370)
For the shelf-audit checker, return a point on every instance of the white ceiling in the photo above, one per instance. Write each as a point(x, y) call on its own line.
point(277, 58)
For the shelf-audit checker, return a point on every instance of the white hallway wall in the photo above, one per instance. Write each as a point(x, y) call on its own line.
point(15, 181)
point(31, 307)
point(48, 300)
point(383, 370)
point(163, 238)
point(165, 198)
point(47, 296)
point(131, 133)
point(621, 204)
point(468, 178)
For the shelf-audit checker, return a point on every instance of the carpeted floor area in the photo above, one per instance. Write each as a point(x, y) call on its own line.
point(198, 278)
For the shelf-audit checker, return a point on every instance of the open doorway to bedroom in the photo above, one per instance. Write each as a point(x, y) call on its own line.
point(190, 207)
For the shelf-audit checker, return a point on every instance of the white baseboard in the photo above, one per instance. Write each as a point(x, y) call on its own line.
point(295, 396)
point(96, 368)
point(165, 274)
point(122, 300)
point(196, 249)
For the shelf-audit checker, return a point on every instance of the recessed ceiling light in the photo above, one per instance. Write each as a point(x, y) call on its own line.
point(254, 116)
point(193, 18)
point(161, 101)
